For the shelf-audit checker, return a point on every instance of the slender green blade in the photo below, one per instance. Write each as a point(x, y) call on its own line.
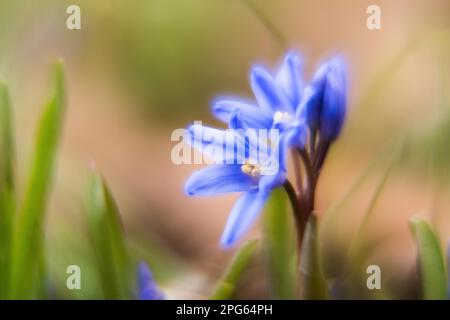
point(448, 269)
point(360, 243)
point(267, 23)
point(7, 160)
point(280, 247)
point(113, 264)
point(432, 267)
point(227, 284)
point(29, 237)
point(7, 195)
point(334, 264)
point(314, 285)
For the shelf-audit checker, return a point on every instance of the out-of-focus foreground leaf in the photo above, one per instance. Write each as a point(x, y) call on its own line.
point(432, 268)
point(113, 263)
point(227, 284)
point(28, 245)
point(7, 202)
point(313, 282)
point(448, 269)
point(280, 247)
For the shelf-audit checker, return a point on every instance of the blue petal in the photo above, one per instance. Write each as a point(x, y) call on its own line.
point(334, 104)
point(310, 108)
point(253, 116)
point(244, 212)
point(147, 288)
point(269, 96)
point(304, 107)
point(253, 141)
point(237, 122)
point(222, 146)
point(150, 293)
point(313, 96)
point(294, 136)
point(144, 275)
point(269, 182)
point(217, 179)
point(319, 77)
point(249, 135)
point(289, 78)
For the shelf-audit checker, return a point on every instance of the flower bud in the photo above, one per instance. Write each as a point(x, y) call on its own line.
point(334, 101)
point(325, 100)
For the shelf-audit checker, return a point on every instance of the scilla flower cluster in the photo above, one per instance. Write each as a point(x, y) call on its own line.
point(308, 118)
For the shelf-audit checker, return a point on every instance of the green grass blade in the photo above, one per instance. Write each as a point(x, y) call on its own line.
point(313, 282)
point(267, 23)
point(448, 269)
point(280, 247)
point(113, 264)
point(381, 80)
point(359, 242)
point(390, 153)
point(7, 200)
point(7, 160)
point(432, 267)
point(226, 286)
point(29, 236)
point(334, 265)
point(335, 212)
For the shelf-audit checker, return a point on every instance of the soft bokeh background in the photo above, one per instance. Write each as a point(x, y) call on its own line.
point(139, 69)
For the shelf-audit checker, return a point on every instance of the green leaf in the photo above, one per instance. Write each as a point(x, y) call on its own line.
point(280, 247)
point(314, 285)
point(114, 267)
point(432, 267)
point(7, 194)
point(226, 286)
point(29, 237)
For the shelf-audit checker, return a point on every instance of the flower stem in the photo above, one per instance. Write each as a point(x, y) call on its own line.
point(292, 197)
point(297, 209)
point(303, 202)
point(309, 195)
point(322, 151)
point(298, 172)
point(312, 143)
point(308, 165)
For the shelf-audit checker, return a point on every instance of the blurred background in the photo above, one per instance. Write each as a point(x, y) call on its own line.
point(139, 69)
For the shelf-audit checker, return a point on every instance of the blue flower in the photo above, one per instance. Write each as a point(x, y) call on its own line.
point(325, 100)
point(147, 288)
point(282, 105)
point(238, 170)
point(277, 97)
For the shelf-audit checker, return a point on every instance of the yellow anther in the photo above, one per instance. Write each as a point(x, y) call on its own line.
point(252, 170)
point(281, 116)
